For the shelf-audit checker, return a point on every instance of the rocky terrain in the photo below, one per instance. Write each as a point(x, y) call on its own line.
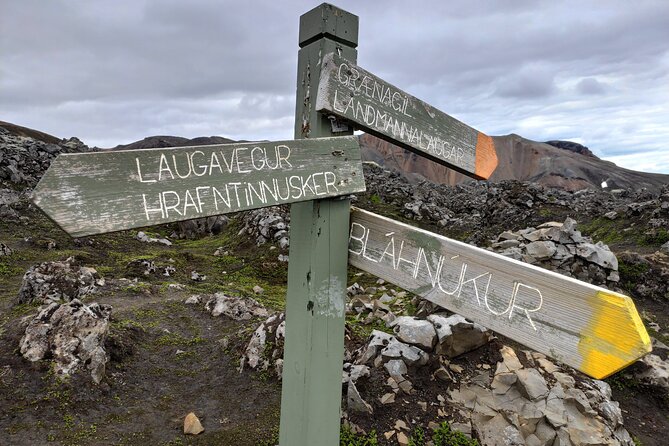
point(562, 164)
point(174, 335)
point(24, 159)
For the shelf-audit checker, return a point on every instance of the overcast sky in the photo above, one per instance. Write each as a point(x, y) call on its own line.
point(112, 72)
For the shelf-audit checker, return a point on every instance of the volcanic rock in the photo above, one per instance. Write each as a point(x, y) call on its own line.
point(201, 227)
point(353, 372)
point(235, 307)
point(25, 159)
point(665, 248)
point(654, 371)
point(192, 425)
point(560, 247)
point(142, 237)
point(456, 335)
point(354, 401)
point(140, 268)
point(525, 406)
point(58, 281)
point(72, 335)
point(5, 250)
point(266, 346)
point(415, 331)
point(268, 224)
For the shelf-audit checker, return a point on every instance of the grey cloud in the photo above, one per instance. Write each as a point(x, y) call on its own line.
point(529, 82)
point(111, 72)
point(590, 86)
point(165, 49)
point(581, 38)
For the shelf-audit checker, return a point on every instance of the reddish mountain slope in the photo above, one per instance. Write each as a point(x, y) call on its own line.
point(521, 159)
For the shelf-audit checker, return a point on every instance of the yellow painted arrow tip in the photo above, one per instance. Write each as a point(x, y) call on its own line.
point(615, 337)
point(486, 156)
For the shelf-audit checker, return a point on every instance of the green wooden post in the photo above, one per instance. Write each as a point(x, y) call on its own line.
point(314, 348)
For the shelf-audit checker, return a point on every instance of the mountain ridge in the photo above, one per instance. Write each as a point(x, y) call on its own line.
point(159, 330)
point(571, 167)
point(20, 130)
point(158, 141)
point(564, 164)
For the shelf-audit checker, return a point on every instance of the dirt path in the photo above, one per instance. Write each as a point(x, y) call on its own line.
point(168, 359)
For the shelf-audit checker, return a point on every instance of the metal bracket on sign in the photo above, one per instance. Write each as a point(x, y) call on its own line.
point(338, 125)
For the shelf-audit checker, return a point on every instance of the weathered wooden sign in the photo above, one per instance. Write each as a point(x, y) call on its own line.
point(99, 192)
point(592, 329)
point(350, 92)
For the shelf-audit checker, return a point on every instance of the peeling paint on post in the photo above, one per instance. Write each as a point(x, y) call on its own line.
point(314, 348)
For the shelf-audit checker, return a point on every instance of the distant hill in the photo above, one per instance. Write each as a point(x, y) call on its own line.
point(25, 131)
point(561, 164)
point(154, 142)
point(564, 164)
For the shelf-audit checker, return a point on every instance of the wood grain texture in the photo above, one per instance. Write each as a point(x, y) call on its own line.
point(350, 92)
point(314, 346)
point(592, 329)
point(486, 156)
point(329, 21)
point(93, 193)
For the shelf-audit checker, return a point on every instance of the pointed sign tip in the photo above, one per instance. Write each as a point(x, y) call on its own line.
point(594, 330)
point(615, 337)
point(486, 156)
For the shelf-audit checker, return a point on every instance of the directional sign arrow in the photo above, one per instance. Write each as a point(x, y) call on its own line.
point(99, 192)
point(592, 329)
point(350, 92)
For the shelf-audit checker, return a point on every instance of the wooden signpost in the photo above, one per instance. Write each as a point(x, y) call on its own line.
point(350, 92)
point(592, 329)
point(98, 192)
point(317, 270)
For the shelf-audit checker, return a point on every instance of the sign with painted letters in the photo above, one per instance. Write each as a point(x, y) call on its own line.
point(592, 329)
point(350, 92)
point(99, 192)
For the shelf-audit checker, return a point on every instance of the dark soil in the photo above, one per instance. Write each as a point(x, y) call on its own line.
point(645, 411)
point(429, 400)
point(169, 358)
